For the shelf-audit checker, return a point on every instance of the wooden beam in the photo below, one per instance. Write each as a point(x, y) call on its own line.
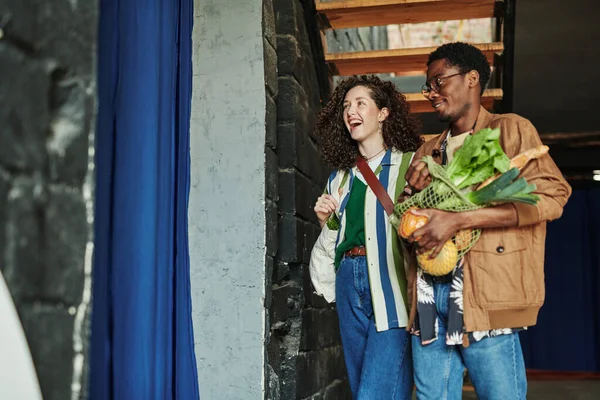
point(573, 136)
point(402, 62)
point(358, 13)
point(419, 104)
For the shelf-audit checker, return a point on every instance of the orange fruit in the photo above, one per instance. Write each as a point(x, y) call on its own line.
point(410, 223)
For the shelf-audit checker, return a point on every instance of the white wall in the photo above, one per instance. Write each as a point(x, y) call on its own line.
point(227, 212)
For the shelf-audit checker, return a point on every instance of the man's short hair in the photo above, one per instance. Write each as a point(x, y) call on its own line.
point(465, 57)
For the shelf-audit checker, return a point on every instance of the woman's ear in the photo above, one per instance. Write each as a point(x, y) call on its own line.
point(383, 114)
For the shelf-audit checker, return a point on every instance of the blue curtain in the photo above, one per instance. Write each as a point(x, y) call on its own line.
point(566, 337)
point(142, 341)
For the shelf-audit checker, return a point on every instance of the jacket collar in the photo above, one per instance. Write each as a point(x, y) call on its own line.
point(483, 120)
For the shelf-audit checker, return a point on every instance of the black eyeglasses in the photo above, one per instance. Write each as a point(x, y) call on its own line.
point(436, 83)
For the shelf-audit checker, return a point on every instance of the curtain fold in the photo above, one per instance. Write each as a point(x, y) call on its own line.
point(566, 335)
point(142, 336)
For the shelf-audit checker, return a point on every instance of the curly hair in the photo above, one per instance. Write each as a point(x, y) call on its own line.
point(400, 129)
point(466, 58)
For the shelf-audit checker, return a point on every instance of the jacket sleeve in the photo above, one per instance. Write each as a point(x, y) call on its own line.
point(518, 135)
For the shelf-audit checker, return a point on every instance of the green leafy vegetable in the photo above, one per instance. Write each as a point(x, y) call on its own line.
point(478, 159)
point(481, 157)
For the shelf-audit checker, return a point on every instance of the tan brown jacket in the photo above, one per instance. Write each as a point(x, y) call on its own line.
point(504, 271)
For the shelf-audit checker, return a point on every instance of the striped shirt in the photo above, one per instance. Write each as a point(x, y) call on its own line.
point(385, 261)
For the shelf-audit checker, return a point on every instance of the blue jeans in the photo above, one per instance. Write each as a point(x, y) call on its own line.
point(495, 364)
point(378, 363)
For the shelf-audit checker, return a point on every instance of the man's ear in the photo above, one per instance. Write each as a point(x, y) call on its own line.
point(383, 114)
point(473, 78)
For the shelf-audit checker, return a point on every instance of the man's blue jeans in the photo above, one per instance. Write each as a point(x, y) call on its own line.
point(495, 364)
point(379, 364)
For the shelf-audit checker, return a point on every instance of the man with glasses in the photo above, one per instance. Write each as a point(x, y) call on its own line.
point(471, 317)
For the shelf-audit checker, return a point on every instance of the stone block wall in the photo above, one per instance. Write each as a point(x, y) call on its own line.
point(304, 351)
point(47, 65)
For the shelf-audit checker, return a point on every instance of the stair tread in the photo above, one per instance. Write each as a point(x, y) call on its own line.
point(358, 13)
point(419, 104)
point(399, 61)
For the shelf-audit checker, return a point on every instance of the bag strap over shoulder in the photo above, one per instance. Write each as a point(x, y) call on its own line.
point(375, 185)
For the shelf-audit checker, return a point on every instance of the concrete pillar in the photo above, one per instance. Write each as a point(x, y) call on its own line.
point(227, 201)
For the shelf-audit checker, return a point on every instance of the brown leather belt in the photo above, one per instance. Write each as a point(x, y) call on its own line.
point(356, 251)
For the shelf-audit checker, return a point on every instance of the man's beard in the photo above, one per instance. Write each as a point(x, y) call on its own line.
point(445, 118)
point(449, 118)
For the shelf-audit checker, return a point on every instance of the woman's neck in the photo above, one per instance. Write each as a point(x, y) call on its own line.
point(371, 148)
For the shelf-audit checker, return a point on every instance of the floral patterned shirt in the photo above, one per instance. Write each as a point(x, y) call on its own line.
point(426, 323)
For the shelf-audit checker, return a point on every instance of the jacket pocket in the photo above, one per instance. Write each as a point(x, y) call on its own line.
point(498, 266)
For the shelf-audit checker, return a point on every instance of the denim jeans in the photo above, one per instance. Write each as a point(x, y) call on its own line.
point(379, 364)
point(495, 364)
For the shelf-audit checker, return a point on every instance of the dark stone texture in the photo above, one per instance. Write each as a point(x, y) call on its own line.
point(295, 59)
point(269, 22)
point(5, 182)
point(288, 56)
point(62, 32)
point(297, 150)
point(317, 370)
point(47, 64)
point(269, 283)
point(292, 103)
point(319, 329)
point(304, 350)
point(273, 390)
point(70, 128)
point(291, 239)
point(271, 228)
point(270, 67)
point(288, 17)
point(24, 128)
point(271, 123)
point(284, 302)
point(338, 390)
point(65, 237)
point(304, 191)
point(22, 264)
point(271, 179)
point(46, 327)
point(282, 272)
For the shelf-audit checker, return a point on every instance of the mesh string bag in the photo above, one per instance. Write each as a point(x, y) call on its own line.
point(441, 194)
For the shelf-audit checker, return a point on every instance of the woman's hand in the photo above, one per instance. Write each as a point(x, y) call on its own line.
point(326, 204)
point(442, 225)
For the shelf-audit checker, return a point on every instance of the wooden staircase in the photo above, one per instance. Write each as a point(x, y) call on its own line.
point(340, 14)
point(356, 13)
point(402, 62)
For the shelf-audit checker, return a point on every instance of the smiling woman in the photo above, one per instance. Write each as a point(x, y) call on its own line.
point(358, 260)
